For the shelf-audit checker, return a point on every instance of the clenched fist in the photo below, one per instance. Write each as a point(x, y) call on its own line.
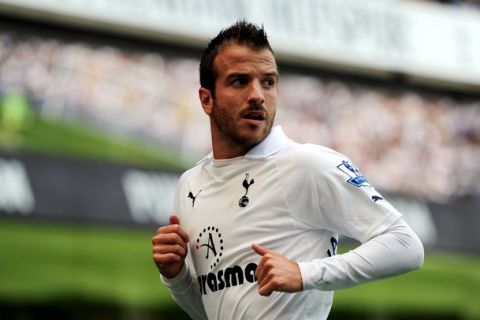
point(170, 247)
point(276, 273)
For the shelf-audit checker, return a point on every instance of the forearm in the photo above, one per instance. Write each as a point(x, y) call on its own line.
point(396, 251)
point(184, 290)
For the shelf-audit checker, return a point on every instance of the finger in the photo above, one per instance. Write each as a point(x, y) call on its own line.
point(164, 249)
point(264, 279)
point(260, 271)
point(174, 228)
point(264, 267)
point(173, 219)
point(259, 249)
point(266, 289)
point(168, 238)
point(165, 259)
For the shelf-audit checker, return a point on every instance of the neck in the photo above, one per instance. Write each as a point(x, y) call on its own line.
point(228, 149)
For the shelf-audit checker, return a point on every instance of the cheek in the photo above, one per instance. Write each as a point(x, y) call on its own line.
point(271, 101)
point(223, 112)
point(230, 103)
point(271, 94)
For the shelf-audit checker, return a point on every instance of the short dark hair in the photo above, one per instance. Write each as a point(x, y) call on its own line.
point(240, 33)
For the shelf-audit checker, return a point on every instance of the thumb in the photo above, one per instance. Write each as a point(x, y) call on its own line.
point(259, 249)
point(174, 219)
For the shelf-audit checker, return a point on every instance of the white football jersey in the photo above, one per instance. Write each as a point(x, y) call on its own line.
point(292, 198)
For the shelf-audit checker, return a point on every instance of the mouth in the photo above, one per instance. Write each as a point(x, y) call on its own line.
point(255, 116)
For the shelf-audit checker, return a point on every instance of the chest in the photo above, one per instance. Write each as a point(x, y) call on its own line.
point(225, 213)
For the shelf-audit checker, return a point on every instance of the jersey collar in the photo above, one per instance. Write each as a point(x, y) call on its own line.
point(271, 145)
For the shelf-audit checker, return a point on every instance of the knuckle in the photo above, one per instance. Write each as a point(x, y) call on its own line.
point(178, 249)
point(269, 276)
point(157, 257)
point(175, 257)
point(175, 237)
point(167, 238)
point(162, 229)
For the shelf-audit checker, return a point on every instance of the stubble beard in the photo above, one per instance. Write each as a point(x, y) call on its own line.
point(229, 130)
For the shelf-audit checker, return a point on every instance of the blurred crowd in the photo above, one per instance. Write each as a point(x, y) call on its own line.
point(474, 4)
point(428, 147)
point(403, 141)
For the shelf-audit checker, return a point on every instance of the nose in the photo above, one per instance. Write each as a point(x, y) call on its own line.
point(256, 95)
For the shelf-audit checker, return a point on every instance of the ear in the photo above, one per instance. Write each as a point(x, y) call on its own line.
point(206, 100)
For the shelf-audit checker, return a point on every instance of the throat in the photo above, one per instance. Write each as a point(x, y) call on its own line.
point(229, 150)
point(228, 146)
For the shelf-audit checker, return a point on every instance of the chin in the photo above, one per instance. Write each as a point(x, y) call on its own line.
point(256, 135)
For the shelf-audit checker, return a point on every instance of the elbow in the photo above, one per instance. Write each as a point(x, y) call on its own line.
point(412, 248)
point(417, 254)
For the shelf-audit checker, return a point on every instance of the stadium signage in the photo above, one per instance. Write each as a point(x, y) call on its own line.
point(149, 195)
point(64, 189)
point(423, 41)
point(16, 194)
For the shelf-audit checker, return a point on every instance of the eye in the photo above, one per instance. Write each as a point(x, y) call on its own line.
point(269, 82)
point(239, 81)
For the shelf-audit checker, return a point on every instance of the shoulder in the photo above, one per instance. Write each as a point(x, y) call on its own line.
point(321, 166)
point(313, 158)
point(190, 173)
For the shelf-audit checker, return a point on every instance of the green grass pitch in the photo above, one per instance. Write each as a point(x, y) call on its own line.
point(43, 262)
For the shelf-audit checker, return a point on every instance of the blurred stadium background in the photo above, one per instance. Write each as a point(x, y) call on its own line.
point(99, 116)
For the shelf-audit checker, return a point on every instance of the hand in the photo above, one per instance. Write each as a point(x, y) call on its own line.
point(170, 248)
point(276, 273)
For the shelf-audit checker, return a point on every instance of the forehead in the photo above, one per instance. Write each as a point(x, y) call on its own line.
point(236, 58)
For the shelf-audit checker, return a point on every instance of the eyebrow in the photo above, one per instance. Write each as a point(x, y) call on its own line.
point(273, 74)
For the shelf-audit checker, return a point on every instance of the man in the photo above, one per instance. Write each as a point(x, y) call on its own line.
point(257, 221)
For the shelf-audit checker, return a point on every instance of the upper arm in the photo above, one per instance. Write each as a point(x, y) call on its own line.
point(333, 195)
